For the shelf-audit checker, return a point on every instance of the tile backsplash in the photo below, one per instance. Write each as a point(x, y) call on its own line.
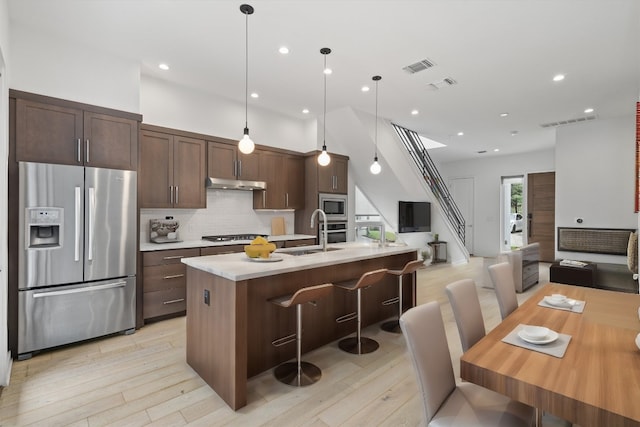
point(227, 212)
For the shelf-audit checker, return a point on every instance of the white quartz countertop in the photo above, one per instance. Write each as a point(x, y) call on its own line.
point(239, 267)
point(149, 246)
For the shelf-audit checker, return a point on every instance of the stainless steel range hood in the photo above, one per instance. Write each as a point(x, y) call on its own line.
point(234, 184)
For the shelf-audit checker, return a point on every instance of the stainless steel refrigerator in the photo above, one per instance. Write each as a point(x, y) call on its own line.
point(77, 261)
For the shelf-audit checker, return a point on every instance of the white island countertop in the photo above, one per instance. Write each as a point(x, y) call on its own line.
point(239, 267)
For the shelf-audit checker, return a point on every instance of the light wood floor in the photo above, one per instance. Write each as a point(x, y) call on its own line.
point(143, 379)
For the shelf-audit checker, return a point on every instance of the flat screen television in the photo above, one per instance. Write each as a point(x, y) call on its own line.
point(414, 216)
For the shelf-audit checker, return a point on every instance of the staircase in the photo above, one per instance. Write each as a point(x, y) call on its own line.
point(429, 172)
point(352, 132)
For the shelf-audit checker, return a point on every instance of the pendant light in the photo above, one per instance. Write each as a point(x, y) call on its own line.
point(246, 145)
point(375, 166)
point(324, 159)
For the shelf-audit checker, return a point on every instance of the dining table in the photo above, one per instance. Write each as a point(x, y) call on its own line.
point(595, 382)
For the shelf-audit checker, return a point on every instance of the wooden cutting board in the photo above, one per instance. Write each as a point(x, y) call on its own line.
point(277, 226)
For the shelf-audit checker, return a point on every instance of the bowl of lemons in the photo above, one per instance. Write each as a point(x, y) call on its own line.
point(259, 248)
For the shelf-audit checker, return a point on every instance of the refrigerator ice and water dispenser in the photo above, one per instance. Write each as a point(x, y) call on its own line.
point(44, 228)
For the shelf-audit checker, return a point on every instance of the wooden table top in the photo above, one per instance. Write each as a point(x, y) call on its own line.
point(596, 383)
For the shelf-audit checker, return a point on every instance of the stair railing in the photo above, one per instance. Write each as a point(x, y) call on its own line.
point(417, 151)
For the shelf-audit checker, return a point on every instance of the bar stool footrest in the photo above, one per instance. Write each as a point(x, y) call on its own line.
point(287, 373)
point(350, 345)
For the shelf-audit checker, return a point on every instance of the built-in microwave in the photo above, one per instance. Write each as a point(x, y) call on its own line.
point(334, 206)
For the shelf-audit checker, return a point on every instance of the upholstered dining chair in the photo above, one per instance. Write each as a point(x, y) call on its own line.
point(465, 304)
point(502, 278)
point(444, 403)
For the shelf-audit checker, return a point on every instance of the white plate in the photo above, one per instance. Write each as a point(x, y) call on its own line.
point(566, 303)
point(272, 258)
point(546, 340)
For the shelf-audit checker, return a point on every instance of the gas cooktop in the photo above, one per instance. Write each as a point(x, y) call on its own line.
point(231, 237)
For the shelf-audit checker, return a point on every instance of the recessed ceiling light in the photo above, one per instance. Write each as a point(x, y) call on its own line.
point(588, 110)
point(504, 114)
point(365, 88)
point(414, 112)
point(460, 133)
point(255, 95)
point(514, 132)
point(305, 111)
point(163, 66)
point(495, 150)
point(283, 50)
point(558, 77)
point(328, 71)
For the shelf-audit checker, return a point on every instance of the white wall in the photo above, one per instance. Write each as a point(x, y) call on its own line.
point(595, 168)
point(59, 68)
point(177, 107)
point(5, 356)
point(487, 173)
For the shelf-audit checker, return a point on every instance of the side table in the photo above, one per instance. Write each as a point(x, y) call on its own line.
point(439, 249)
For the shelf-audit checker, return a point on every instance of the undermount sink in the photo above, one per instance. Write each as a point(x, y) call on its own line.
point(303, 251)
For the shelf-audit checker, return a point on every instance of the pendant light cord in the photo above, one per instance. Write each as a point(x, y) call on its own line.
point(324, 117)
point(246, 70)
point(376, 144)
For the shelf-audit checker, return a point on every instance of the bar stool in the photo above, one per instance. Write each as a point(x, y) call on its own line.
point(409, 268)
point(299, 373)
point(359, 344)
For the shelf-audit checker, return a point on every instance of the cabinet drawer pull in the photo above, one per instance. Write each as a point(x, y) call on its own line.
point(173, 276)
point(177, 188)
point(391, 301)
point(171, 194)
point(87, 150)
point(79, 151)
point(173, 257)
point(284, 340)
point(173, 301)
point(347, 317)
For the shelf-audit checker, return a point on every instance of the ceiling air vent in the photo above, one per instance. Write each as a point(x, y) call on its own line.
point(568, 122)
point(419, 66)
point(441, 83)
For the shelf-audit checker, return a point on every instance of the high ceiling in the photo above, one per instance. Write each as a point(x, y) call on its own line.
point(503, 55)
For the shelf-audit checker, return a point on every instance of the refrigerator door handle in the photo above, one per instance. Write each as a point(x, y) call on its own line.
point(79, 290)
point(78, 214)
point(92, 220)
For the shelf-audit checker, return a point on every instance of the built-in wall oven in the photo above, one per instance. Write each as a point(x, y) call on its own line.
point(334, 206)
point(336, 232)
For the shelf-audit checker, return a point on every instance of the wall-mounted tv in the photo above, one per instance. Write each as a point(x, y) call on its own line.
point(414, 216)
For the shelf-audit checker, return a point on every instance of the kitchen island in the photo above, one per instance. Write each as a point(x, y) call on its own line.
point(231, 325)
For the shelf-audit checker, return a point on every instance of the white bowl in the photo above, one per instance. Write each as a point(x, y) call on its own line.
point(559, 297)
point(535, 332)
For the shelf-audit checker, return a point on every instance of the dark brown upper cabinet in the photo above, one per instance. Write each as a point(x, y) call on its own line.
point(70, 135)
point(172, 171)
point(226, 161)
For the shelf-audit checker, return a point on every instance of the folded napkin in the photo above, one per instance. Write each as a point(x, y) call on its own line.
point(578, 307)
point(555, 349)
